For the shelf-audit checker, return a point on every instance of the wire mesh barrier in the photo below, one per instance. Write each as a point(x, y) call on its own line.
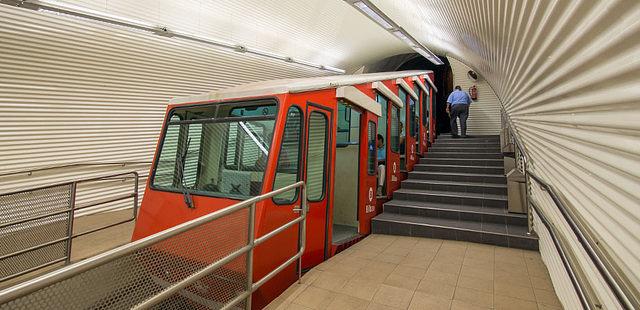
point(206, 263)
point(36, 228)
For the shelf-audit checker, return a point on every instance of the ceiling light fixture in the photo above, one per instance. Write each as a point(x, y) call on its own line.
point(375, 14)
point(79, 11)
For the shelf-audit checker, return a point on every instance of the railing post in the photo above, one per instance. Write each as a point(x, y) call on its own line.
point(302, 229)
point(72, 209)
point(251, 242)
point(135, 195)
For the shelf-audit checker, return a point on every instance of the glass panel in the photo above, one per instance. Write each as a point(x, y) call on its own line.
point(316, 156)
point(348, 131)
point(371, 144)
point(289, 158)
point(425, 107)
point(412, 116)
point(394, 142)
point(382, 120)
point(403, 115)
point(192, 157)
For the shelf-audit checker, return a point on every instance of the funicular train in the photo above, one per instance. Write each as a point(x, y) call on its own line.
point(222, 147)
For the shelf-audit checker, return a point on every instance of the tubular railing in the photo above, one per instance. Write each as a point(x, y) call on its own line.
point(36, 227)
point(206, 262)
point(627, 301)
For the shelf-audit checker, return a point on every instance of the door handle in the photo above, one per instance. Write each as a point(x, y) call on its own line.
point(297, 209)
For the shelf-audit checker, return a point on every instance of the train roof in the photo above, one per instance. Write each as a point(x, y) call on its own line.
point(283, 86)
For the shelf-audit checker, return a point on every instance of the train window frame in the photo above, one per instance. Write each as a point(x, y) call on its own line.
point(324, 160)
point(301, 144)
point(215, 106)
point(398, 135)
point(426, 109)
point(372, 155)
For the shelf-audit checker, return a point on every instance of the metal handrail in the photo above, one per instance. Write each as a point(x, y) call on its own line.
point(31, 171)
point(71, 211)
point(624, 300)
point(67, 272)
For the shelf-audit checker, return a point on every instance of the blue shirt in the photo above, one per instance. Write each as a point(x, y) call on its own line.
point(459, 97)
point(381, 154)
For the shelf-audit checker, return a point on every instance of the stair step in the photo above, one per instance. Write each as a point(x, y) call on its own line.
point(469, 187)
point(490, 233)
point(457, 198)
point(456, 212)
point(463, 161)
point(459, 149)
point(467, 155)
point(459, 168)
point(458, 177)
point(475, 139)
point(495, 145)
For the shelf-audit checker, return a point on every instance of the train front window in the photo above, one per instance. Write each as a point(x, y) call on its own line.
point(217, 150)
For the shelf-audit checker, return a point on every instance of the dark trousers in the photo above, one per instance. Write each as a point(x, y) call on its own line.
point(461, 111)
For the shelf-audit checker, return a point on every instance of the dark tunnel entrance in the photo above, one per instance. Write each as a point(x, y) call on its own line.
point(443, 80)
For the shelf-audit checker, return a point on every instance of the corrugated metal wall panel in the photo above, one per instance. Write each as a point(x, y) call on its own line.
point(484, 113)
point(568, 74)
point(80, 91)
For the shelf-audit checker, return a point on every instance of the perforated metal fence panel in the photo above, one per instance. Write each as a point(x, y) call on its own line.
point(137, 275)
point(34, 229)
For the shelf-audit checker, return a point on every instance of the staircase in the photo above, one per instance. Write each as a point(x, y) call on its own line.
point(457, 192)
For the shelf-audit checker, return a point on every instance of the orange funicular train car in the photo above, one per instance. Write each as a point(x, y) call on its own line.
point(222, 147)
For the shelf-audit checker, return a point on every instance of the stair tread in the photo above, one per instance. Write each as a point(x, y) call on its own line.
point(460, 166)
point(452, 194)
point(466, 153)
point(493, 228)
point(440, 182)
point(459, 173)
point(453, 207)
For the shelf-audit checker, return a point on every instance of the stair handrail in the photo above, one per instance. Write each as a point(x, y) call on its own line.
point(626, 301)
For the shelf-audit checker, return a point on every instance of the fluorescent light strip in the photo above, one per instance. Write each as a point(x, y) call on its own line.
point(373, 15)
point(61, 7)
point(370, 10)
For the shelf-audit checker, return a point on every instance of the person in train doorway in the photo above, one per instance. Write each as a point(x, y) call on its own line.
point(458, 107)
point(382, 161)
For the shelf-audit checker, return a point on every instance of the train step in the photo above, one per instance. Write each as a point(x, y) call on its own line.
point(458, 177)
point(459, 168)
point(463, 162)
point(455, 212)
point(469, 187)
point(514, 236)
point(458, 198)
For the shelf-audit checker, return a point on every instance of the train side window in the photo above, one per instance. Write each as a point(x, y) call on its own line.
point(169, 156)
point(395, 129)
point(316, 156)
point(287, 169)
point(348, 131)
point(412, 116)
point(425, 107)
point(371, 143)
point(382, 120)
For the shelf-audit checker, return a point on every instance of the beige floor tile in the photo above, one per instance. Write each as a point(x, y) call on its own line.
point(396, 250)
point(315, 298)
point(479, 284)
point(375, 306)
point(436, 288)
point(473, 297)
point(422, 301)
point(461, 305)
point(310, 276)
point(512, 269)
point(547, 307)
point(362, 289)
point(373, 276)
point(508, 303)
point(512, 279)
point(444, 266)
point(330, 281)
point(470, 271)
point(411, 272)
point(346, 302)
point(487, 256)
point(478, 263)
point(542, 283)
point(401, 282)
point(416, 262)
point(406, 243)
point(547, 298)
point(383, 267)
point(294, 306)
point(433, 275)
point(363, 253)
point(515, 291)
point(389, 258)
point(538, 270)
point(292, 292)
point(393, 296)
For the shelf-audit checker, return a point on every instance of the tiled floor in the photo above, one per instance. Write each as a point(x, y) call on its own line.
point(393, 272)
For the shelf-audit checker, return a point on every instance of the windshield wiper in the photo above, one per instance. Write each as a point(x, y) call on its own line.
point(185, 192)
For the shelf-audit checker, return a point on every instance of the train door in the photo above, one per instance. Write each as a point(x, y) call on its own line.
point(347, 166)
point(416, 116)
point(367, 182)
point(424, 138)
point(317, 179)
point(389, 138)
point(411, 131)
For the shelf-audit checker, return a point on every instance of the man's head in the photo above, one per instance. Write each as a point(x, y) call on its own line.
point(380, 141)
point(458, 87)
